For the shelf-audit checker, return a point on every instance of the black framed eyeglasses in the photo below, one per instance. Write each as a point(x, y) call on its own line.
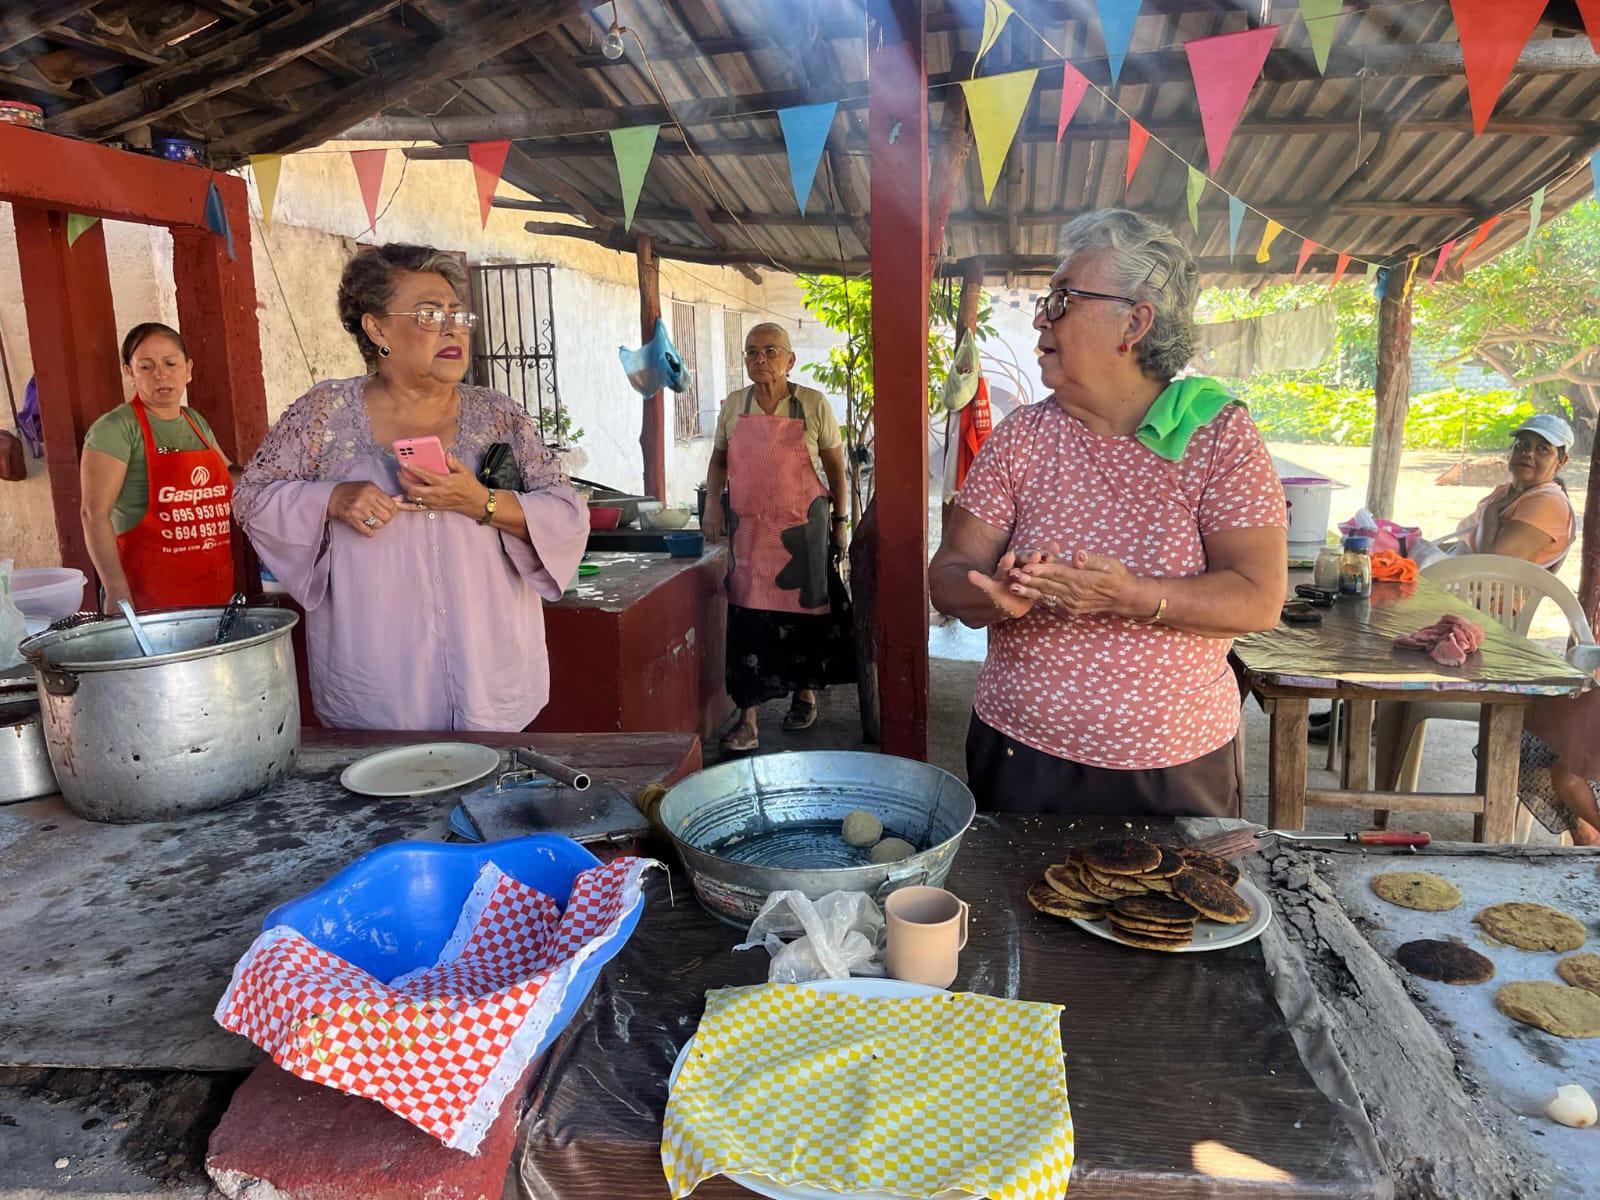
point(1053, 304)
point(436, 319)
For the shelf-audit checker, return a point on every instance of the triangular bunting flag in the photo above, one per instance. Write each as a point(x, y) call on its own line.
point(1117, 18)
point(1264, 251)
point(265, 168)
point(1235, 219)
point(805, 135)
point(1138, 139)
point(1444, 257)
point(1477, 240)
point(1073, 85)
point(1372, 271)
point(633, 149)
point(1225, 68)
point(995, 105)
point(995, 15)
point(1535, 208)
point(1492, 34)
point(217, 217)
point(1307, 247)
point(1594, 165)
point(369, 174)
point(488, 160)
point(1591, 22)
point(1196, 189)
point(78, 225)
point(1411, 273)
point(1339, 270)
point(1321, 18)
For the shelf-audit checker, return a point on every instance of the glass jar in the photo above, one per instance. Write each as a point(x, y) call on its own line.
point(1355, 567)
point(1325, 573)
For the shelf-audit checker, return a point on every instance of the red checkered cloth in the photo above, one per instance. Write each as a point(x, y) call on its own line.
point(442, 1046)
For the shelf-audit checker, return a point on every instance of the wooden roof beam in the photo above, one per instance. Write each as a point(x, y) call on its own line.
point(25, 19)
point(490, 31)
point(238, 60)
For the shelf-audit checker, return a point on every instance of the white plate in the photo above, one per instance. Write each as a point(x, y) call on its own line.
point(420, 770)
point(1208, 935)
point(885, 989)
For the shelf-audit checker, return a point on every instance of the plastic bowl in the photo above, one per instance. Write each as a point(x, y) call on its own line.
point(686, 545)
point(666, 518)
point(392, 910)
point(49, 592)
point(601, 517)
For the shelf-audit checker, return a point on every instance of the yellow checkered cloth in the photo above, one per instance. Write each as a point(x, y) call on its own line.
point(938, 1097)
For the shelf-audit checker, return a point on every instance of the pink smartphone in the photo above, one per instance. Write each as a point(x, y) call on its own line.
point(424, 452)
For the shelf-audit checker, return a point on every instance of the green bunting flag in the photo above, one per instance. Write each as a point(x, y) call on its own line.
point(78, 225)
point(1197, 188)
point(633, 148)
point(1535, 208)
point(1320, 17)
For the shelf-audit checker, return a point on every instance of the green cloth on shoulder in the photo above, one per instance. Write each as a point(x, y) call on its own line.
point(1185, 406)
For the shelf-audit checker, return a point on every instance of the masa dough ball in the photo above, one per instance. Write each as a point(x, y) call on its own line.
point(1572, 1106)
point(861, 828)
point(892, 850)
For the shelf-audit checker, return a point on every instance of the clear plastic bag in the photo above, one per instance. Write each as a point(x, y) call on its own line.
point(13, 625)
point(839, 936)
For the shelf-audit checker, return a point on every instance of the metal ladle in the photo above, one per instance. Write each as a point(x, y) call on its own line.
point(145, 647)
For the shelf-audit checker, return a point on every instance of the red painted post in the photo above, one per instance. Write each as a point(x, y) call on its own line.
point(897, 114)
point(217, 314)
point(72, 331)
point(653, 424)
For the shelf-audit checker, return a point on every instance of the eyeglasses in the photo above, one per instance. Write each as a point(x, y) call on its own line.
point(767, 352)
point(436, 319)
point(1053, 304)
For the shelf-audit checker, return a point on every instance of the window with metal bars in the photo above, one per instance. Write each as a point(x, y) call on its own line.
point(733, 349)
point(514, 345)
point(686, 404)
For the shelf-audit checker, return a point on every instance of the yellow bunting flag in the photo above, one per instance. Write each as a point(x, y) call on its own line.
point(633, 147)
point(995, 105)
point(1411, 274)
point(265, 167)
point(1264, 251)
point(995, 15)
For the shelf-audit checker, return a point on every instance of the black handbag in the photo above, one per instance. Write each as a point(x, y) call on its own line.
point(499, 468)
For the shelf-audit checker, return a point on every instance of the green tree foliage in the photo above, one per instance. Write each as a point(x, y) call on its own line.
point(1299, 410)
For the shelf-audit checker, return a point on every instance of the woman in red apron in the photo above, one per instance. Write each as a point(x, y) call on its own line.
point(157, 498)
point(782, 525)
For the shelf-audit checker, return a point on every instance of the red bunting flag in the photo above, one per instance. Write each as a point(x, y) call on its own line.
point(1444, 257)
point(488, 160)
point(1138, 139)
point(1477, 240)
point(1307, 247)
point(1225, 69)
point(1339, 270)
point(369, 174)
point(1073, 86)
point(1492, 33)
point(1591, 21)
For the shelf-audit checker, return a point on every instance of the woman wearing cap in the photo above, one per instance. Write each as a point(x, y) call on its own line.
point(1531, 517)
point(775, 445)
point(155, 489)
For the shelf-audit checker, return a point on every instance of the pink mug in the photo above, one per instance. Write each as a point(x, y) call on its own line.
point(927, 932)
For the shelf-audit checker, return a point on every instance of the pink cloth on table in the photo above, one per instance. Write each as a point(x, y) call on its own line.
point(1448, 640)
point(436, 623)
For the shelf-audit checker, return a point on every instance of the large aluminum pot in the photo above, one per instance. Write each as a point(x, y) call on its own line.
point(769, 823)
point(190, 728)
point(25, 771)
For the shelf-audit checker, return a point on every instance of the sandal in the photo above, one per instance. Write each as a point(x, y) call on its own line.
point(802, 714)
point(740, 740)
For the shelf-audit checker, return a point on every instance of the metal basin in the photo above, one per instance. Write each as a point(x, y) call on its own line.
point(190, 728)
point(770, 823)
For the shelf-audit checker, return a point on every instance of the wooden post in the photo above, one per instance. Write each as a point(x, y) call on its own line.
point(897, 113)
point(1394, 392)
point(1589, 576)
point(652, 428)
point(72, 329)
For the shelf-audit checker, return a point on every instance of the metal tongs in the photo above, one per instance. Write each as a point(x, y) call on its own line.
point(1244, 841)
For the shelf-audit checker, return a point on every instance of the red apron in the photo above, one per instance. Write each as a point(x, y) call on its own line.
point(181, 553)
point(777, 530)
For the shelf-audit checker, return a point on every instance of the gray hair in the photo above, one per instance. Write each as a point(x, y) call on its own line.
point(368, 283)
point(1149, 263)
point(778, 333)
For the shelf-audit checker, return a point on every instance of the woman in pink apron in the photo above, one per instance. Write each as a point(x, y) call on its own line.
point(157, 497)
point(774, 442)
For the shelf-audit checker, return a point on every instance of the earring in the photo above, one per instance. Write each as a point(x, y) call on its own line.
point(383, 351)
point(1122, 349)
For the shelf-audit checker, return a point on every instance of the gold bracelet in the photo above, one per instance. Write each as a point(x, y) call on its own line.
point(1161, 611)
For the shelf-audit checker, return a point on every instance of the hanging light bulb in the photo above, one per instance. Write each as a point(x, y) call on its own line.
point(612, 46)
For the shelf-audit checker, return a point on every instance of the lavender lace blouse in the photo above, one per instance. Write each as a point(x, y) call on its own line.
point(436, 623)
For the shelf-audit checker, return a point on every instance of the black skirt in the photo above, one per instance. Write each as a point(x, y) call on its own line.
point(773, 654)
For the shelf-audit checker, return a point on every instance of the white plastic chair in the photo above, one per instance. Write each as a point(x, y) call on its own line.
point(1506, 589)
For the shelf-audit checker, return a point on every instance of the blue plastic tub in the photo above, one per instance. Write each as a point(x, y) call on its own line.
point(392, 910)
point(686, 544)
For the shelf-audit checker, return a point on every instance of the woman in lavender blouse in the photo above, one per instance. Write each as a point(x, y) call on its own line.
point(422, 591)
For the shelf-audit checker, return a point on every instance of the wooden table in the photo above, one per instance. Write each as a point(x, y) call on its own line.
point(1351, 656)
point(1184, 1077)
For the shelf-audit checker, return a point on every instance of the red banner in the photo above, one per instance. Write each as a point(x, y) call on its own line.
point(488, 160)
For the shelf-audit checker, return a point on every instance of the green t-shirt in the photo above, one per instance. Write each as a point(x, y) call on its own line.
point(118, 434)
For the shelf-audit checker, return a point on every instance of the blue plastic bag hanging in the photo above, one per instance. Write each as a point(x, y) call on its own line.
point(656, 365)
